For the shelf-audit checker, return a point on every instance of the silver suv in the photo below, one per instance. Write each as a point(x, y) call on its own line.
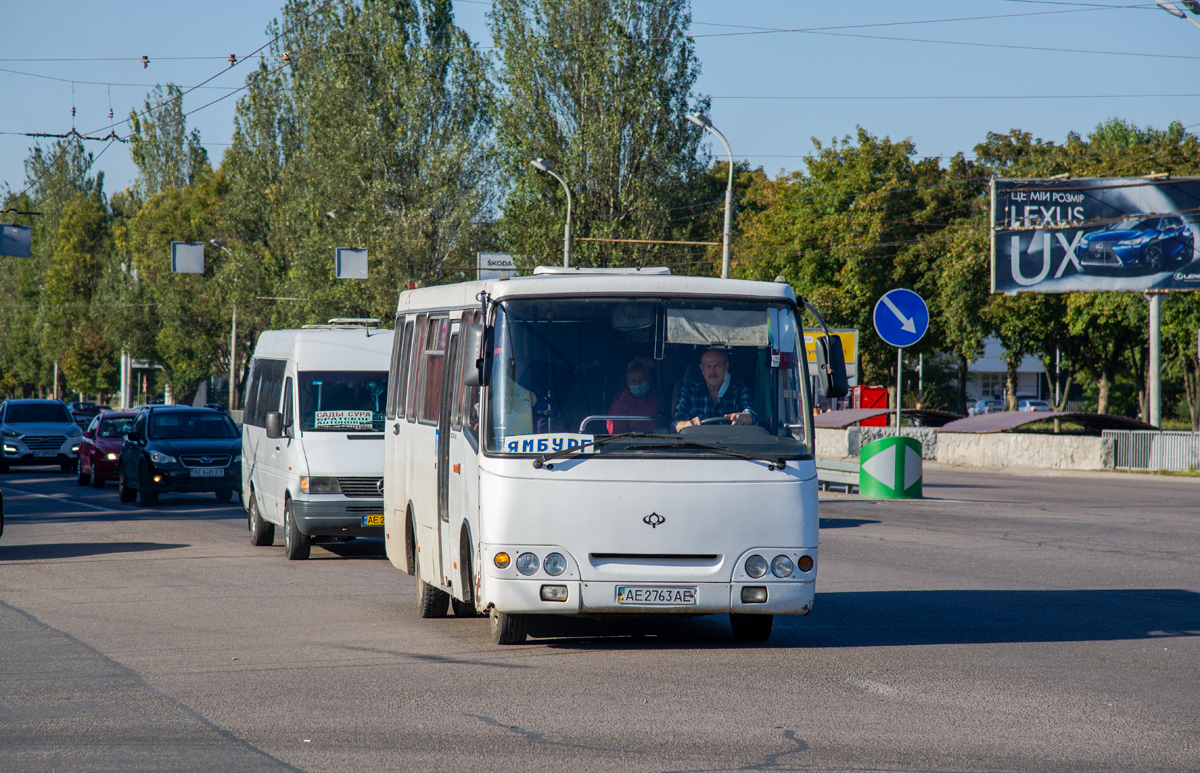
point(38, 432)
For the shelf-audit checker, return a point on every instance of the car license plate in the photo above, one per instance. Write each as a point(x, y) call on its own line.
point(44, 454)
point(374, 519)
point(208, 472)
point(655, 596)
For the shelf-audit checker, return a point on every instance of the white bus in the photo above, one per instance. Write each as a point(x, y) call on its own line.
point(603, 442)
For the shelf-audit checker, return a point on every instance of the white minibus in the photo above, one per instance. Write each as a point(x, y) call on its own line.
point(312, 434)
point(604, 442)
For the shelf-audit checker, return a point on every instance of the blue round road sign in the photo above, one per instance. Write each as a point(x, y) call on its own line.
point(901, 318)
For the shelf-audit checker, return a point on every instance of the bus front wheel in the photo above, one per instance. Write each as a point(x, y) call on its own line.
point(506, 628)
point(751, 627)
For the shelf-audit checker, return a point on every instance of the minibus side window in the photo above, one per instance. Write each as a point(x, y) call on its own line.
point(287, 403)
point(251, 405)
point(456, 377)
point(398, 380)
point(433, 364)
point(414, 367)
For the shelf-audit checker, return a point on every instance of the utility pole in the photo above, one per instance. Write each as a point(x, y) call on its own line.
point(1154, 396)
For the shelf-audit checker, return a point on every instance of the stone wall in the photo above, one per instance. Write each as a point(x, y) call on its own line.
point(840, 443)
point(1009, 449)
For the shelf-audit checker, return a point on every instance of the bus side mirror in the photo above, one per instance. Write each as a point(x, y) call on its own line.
point(831, 367)
point(274, 424)
point(477, 365)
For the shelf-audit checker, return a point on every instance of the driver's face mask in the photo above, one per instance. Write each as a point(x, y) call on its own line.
point(724, 386)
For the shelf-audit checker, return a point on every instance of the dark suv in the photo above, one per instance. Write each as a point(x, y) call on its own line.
point(180, 449)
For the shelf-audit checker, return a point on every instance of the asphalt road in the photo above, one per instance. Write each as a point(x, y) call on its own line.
point(1003, 623)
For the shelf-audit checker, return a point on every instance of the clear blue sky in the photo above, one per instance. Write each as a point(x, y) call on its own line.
point(1046, 67)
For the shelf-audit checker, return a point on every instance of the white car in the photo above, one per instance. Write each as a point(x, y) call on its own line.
point(986, 405)
point(1037, 406)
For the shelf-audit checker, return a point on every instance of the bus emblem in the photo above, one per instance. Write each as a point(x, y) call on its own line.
point(653, 520)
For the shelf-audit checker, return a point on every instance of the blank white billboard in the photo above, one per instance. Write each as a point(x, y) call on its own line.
point(350, 263)
point(187, 257)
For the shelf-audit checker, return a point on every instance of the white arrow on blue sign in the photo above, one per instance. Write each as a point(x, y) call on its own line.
point(901, 318)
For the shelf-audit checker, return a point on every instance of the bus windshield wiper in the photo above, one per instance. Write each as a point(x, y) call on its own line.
point(773, 463)
point(541, 460)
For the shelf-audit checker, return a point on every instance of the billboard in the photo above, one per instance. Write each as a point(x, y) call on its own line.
point(1095, 235)
point(16, 240)
point(187, 257)
point(350, 263)
point(494, 265)
point(849, 336)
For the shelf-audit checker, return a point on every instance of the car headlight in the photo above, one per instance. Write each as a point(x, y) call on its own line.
point(158, 458)
point(319, 484)
point(555, 564)
point(74, 431)
point(111, 457)
point(11, 433)
point(527, 563)
point(756, 566)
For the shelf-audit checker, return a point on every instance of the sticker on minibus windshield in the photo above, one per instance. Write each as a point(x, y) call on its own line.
point(343, 418)
point(545, 444)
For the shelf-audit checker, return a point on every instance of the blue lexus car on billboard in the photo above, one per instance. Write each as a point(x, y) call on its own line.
point(1138, 246)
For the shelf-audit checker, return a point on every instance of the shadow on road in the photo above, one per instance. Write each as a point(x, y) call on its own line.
point(77, 550)
point(845, 523)
point(910, 618)
point(358, 548)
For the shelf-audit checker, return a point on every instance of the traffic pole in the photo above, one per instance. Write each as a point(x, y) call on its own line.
point(899, 384)
point(1155, 387)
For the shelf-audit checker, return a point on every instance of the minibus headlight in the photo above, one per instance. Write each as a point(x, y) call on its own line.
point(805, 563)
point(781, 566)
point(555, 564)
point(318, 484)
point(527, 563)
point(754, 594)
point(554, 593)
point(756, 566)
point(502, 560)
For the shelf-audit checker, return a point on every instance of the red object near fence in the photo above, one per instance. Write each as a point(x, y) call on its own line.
point(871, 397)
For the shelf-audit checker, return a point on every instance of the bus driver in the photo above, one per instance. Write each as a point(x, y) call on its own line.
point(715, 396)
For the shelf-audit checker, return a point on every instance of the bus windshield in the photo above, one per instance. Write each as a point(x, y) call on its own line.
point(337, 401)
point(710, 372)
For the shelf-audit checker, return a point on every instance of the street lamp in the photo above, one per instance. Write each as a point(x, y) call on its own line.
point(543, 165)
point(232, 341)
point(701, 120)
point(1174, 10)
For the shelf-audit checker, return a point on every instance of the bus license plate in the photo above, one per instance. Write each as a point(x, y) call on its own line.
point(207, 472)
point(655, 596)
point(375, 519)
point(44, 454)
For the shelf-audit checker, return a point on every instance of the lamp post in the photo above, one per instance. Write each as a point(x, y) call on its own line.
point(232, 343)
point(543, 165)
point(1174, 10)
point(701, 120)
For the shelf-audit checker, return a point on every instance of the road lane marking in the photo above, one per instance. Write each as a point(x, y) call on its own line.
point(62, 498)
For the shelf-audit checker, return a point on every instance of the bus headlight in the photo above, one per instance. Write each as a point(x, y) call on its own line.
point(527, 563)
point(756, 566)
point(319, 484)
point(502, 560)
point(781, 566)
point(555, 564)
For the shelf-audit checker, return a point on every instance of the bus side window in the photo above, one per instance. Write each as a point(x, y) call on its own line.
point(415, 359)
point(433, 366)
point(456, 376)
point(468, 410)
point(398, 381)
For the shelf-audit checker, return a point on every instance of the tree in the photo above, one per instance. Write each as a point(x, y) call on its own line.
point(167, 156)
point(600, 89)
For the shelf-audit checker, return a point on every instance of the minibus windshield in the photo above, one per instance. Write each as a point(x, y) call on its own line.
point(716, 372)
point(337, 401)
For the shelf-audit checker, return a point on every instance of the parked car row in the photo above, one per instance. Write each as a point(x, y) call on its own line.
point(993, 405)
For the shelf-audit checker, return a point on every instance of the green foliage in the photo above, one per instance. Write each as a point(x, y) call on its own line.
point(600, 89)
point(165, 154)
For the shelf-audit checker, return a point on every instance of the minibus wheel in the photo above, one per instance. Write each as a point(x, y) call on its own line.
point(296, 545)
point(262, 533)
point(751, 627)
point(431, 601)
point(506, 628)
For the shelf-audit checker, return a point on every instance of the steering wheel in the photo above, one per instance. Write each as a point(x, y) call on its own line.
point(716, 420)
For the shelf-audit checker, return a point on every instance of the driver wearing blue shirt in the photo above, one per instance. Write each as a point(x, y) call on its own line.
point(715, 396)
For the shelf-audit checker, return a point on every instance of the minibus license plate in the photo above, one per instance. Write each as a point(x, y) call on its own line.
point(655, 596)
point(374, 519)
point(207, 472)
point(43, 454)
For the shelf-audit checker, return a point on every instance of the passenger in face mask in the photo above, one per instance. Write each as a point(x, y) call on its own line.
point(638, 398)
point(716, 396)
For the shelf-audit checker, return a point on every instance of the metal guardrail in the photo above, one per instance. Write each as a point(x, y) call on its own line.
point(845, 473)
point(1146, 450)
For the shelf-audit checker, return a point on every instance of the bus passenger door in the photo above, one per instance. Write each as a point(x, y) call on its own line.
point(445, 561)
point(464, 473)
